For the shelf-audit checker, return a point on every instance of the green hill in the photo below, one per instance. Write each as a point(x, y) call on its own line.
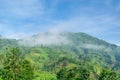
point(50, 53)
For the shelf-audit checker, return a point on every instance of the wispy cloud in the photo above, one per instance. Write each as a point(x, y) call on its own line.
point(93, 46)
point(96, 17)
point(97, 24)
point(44, 39)
point(21, 9)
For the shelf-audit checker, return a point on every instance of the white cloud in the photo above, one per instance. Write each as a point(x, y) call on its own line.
point(96, 47)
point(93, 46)
point(22, 8)
point(45, 39)
point(15, 36)
point(92, 25)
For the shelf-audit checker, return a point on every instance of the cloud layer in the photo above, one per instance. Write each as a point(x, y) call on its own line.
point(99, 18)
point(44, 39)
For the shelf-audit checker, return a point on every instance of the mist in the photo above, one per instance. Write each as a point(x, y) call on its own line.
point(45, 39)
point(93, 46)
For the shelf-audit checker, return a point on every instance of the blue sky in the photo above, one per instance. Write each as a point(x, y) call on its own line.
point(100, 18)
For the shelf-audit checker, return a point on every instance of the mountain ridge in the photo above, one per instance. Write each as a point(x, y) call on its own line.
point(70, 36)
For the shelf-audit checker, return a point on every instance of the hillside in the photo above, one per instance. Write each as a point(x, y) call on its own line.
point(51, 52)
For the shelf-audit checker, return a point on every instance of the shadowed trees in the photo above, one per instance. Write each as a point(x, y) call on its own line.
point(75, 73)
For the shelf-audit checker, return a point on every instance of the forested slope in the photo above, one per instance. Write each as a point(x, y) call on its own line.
point(77, 56)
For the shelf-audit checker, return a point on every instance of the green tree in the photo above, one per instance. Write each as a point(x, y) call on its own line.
point(108, 75)
point(61, 74)
point(75, 73)
point(27, 72)
point(82, 73)
point(15, 67)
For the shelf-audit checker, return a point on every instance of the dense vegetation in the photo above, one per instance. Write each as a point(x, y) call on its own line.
point(15, 67)
point(84, 58)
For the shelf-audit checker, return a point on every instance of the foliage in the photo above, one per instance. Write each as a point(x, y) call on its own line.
point(75, 73)
point(15, 67)
point(86, 57)
point(108, 75)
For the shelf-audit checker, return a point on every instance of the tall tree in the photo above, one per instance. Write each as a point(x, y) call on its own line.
point(75, 73)
point(15, 67)
point(108, 75)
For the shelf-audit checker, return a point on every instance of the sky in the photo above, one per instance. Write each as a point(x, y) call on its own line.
point(99, 18)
